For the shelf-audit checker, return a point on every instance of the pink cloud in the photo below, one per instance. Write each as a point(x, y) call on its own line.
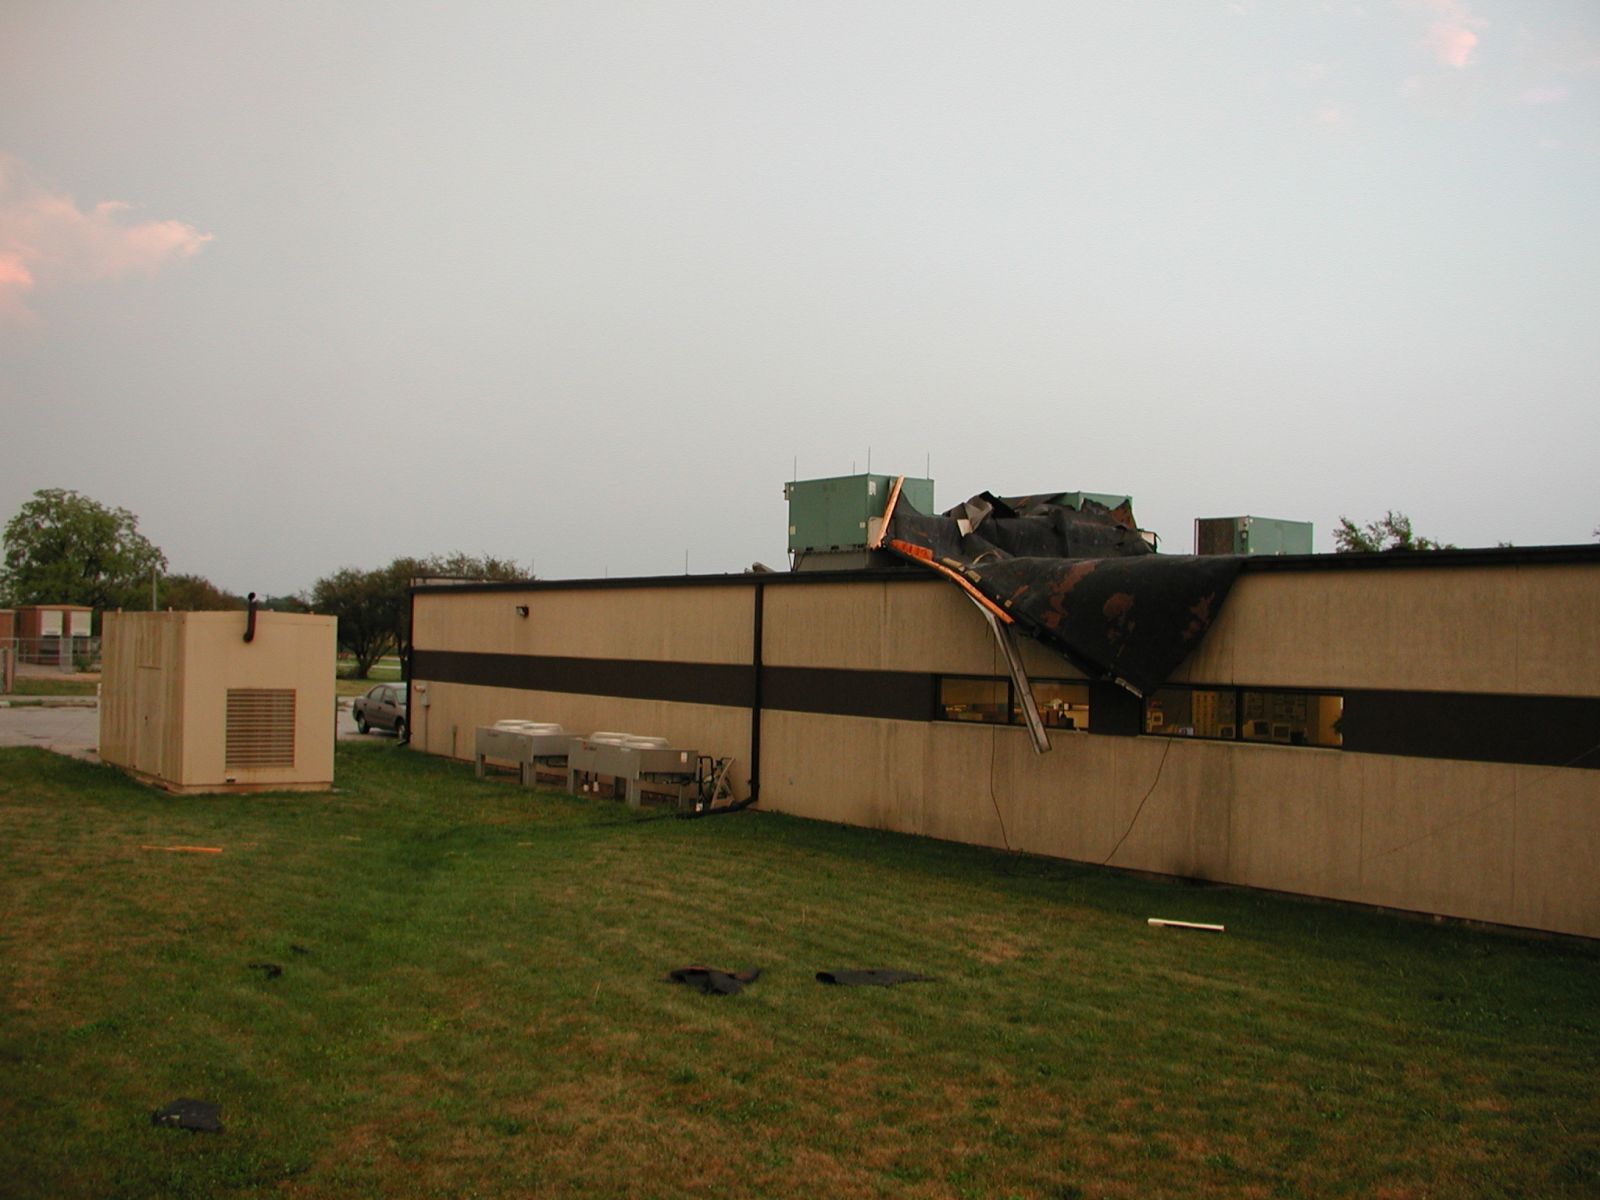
point(16, 281)
point(1452, 43)
point(1333, 115)
point(1450, 33)
point(46, 239)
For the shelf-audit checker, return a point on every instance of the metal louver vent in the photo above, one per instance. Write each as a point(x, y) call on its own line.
point(260, 727)
point(1214, 535)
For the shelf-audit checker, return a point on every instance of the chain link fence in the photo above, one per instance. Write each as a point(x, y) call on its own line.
point(52, 654)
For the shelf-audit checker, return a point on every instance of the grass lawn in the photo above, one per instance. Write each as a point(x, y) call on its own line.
point(479, 1010)
point(385, 670)
point(65, 685)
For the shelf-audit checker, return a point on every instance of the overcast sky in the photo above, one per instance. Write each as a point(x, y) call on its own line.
point(314, 285)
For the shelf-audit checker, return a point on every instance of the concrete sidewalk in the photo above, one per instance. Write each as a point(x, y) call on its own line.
point(67, 729)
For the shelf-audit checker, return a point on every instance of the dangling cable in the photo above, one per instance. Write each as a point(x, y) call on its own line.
point(994, 736)
point(1106, 861)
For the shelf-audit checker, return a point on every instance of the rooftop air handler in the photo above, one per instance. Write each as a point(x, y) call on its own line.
point(1251, 535)
point(828, 518)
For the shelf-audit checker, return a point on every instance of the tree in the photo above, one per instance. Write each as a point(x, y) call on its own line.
point(1393, 532)
point(373, 607)
point(368, 608)
point(477, 568)
point(64, 548)
point(195, 593)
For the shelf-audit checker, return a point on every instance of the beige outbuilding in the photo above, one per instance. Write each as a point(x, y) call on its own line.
point(219, 701)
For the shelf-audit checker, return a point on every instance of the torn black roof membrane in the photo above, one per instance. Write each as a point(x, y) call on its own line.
point(1081, 579)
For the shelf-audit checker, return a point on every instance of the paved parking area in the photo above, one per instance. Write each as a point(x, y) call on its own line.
point(71, 730)
point(75, 729)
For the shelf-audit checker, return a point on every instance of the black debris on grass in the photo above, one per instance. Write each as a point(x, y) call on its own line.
point(871, 978)
point(299, 949)
point(713, 982)
point(270, 970)
point(197, 1116)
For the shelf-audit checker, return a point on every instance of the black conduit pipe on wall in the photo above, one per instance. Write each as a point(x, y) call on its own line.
point(407, 660)
point(250, 618)
point(755, 697)
point(755, 721)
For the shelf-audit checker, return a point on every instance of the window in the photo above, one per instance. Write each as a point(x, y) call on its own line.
point(1192, 712)
point(984, 700)
point(1292, 718)
point(1287, 718)
point(1062, 704)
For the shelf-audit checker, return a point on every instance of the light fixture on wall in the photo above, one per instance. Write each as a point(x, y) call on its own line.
point(522, 610)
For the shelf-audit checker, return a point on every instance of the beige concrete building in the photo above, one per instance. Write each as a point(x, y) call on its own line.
point(187, 703)
point(1419, 731)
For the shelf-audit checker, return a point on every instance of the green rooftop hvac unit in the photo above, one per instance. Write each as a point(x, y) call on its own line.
point(828, 518)
point(1251, 535)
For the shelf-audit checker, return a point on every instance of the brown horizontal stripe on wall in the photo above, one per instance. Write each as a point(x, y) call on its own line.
point(1536, 730)
point(1557, 731)
point(894, 695)
point(687, 683)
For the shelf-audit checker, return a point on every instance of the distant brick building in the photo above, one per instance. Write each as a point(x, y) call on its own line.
point(41, 628)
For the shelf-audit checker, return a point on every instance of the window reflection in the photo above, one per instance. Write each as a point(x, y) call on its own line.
point(984, 700)
point(1192, 712)
point(1292, 718)
point(1061, 705)
point(1287, 718)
